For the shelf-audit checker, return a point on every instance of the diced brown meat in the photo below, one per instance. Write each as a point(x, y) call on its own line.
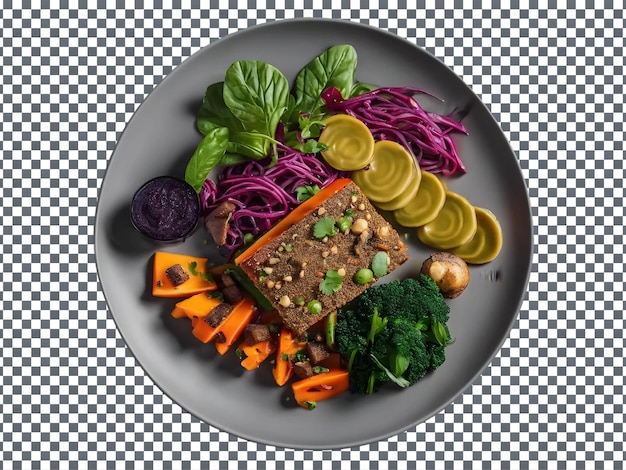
point(255, 333)
point(303, 369)
point(218, 314)
point(216, 222)
point(232, 294)
point(229, 289)
point(219, 337)
point(224, 280)
point(177, 274)
point(316, 352)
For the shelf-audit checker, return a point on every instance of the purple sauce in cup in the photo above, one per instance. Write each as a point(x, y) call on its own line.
point(165, 209)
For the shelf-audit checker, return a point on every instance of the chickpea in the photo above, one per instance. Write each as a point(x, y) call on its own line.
point(359, 226)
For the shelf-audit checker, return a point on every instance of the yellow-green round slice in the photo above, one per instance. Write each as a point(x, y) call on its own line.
point(388, 174)
point(487, 241)
point(406, 197)
point(454, 225)
point(425, 206)
point(350, 145)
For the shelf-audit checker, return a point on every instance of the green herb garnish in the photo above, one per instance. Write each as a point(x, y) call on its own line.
point(305, 192)
point(331, 283)
point(320, 369)
point(193, 268)
point(325, 227)
point(313, 146)
point(309, 405)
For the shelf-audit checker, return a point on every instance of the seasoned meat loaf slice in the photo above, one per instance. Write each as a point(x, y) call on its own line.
point(289, 269)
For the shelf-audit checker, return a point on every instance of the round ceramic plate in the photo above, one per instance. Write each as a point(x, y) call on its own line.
point(159, 140)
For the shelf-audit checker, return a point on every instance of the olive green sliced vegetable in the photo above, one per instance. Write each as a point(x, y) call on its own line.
point(454, 225)
point(403, 199)
point(487, 241)
point(425, 206)
point(350, 144)
point(389, 173)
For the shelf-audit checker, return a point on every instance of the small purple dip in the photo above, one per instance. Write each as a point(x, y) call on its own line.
point(165, 209)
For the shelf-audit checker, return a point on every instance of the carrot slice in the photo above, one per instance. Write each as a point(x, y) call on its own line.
point(194, 265)
point(198, 305)
point(203, 331)
point(320, 387)
point(178, 312)
point(233, 325)
point(256, 353)
point(288, 345)
point(295, 216)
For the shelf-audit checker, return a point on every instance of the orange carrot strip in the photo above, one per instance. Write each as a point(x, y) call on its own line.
point(256, 353)
point(178, 312)
point(320, 387)
point(295, 216)
point(198, 305)
point(233, 325)
point(203, 331)
point(163, 287)
point(288, 345)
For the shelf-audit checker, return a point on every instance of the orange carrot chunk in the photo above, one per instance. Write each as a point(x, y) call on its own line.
point(203, 331)
point(288, 346)
point(232, 327)
point(193, 266)
point(307, 392)
point(198, 305)
point(256, 354)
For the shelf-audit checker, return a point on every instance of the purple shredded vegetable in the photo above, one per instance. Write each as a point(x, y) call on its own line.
point(393, 114)
point(263, 195)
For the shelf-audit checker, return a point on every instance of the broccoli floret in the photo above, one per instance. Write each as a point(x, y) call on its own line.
point(394, 332)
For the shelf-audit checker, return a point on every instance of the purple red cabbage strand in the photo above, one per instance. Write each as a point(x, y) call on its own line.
point(263, 195)
point(392, 113)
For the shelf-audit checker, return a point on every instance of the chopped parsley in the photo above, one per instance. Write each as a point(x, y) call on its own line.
point(319, 369)
point(331, 283)
point(313, 146)
point(305, 192)
point(309, 405)
point(325, 227)
point(193, 268)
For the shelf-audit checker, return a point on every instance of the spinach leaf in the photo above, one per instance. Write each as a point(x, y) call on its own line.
point(257, 94)
point(361, 88)
point(214, 114)
point(333, 68)
point(208, 154)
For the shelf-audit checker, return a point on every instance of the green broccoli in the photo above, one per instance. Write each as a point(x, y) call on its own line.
point(395, 332)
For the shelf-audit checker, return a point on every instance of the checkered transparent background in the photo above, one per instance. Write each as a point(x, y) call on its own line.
point(73, 396)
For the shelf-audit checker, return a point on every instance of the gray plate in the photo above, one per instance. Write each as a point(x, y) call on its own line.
point(159, 140)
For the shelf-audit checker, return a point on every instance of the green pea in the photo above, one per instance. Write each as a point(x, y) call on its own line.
point(344, 224)
point(363, 276)
point(248, 238)
point(315, 307)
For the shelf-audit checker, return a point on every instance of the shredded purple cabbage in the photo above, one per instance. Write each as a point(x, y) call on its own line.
point(263, 195)
point(392, 114)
